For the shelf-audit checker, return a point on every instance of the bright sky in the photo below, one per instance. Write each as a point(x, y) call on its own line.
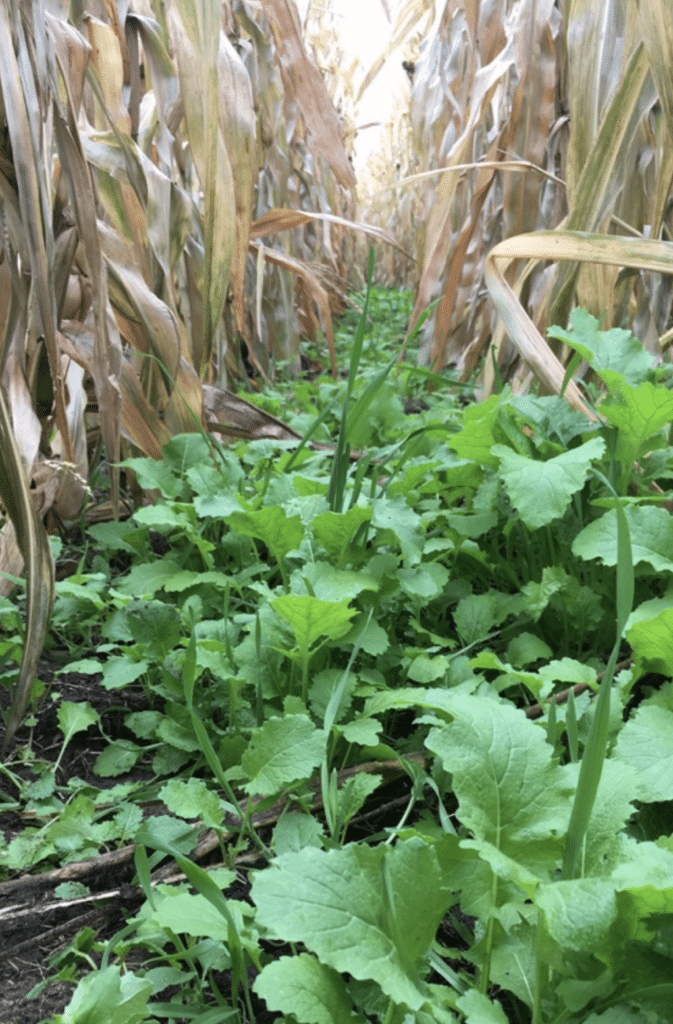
point(365, 33)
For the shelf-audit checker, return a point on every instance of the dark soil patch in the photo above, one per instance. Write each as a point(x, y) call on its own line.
point(35, 925)
point(31, 932)
point(18, 976)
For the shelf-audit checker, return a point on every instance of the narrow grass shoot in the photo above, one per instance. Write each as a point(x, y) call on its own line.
point(591, 765)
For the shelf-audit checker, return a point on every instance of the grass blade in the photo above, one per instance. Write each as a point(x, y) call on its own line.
point(591, 765)
point(204, 884)
point(337, 484)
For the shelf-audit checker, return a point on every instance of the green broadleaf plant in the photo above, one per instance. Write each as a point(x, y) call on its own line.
point(482, 569)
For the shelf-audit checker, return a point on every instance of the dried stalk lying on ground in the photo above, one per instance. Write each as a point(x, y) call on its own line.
point(390, 770)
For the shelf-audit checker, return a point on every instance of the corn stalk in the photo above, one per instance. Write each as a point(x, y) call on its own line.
point(140, 146)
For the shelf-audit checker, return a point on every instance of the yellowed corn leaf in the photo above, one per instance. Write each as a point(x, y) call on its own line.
point(141, 423)
point(613, 250)
point(193, 261)
point(107, 355)
point(107, 59)
point(26, 140)
point(239, 129)
point(600, 48)
point(534, 26)
point(73, 54)
point(656, 25)
point(657, 29)
point(165, 85)
point(609, 91)
point(313, 287)
point(34, 547)
point(601, 178)
point(183, 411)
point(439, 226)
point(130, 294)
point(195, 33)
point(304, 83)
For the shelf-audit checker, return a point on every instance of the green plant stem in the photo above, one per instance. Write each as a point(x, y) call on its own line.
point(304, 677)
point(389, 1013)
point(539, 969)
point(591, 766)
point(485, 979)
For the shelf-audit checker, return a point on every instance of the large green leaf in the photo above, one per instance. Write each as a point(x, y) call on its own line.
point(579, 913)
point(542, 491)
point(193, 914)
point(647, 875)
point(335, 530)
point(509, 788)
point(652, 641)
point(640, 413)
point(651, 537)
point(395, 514)
point(282, 751)
point(272, 525)
point(310, 991)
point(312, 618)
point(108, 997)
point(479, 432)
point(645, 745)
point(372, 912)
point(612, 354)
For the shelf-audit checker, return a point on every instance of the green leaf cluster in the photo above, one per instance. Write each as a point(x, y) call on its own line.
point(482, 601)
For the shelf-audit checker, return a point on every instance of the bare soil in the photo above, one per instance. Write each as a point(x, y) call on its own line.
point(34, 925)
point(31, 933)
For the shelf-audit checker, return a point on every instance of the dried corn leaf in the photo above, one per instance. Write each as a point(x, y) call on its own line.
point(229, 414)
point(73, 54)
point(277, 220)
point(34, 547)
point(534, 25)
point(304, 84)
point(131, 296)
point(106, 361)
point(439, 230)
point(107, 60)
point(567, 246)
point(239, 127)
point(312, 285)
point(22, 110)
point(195, 33)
